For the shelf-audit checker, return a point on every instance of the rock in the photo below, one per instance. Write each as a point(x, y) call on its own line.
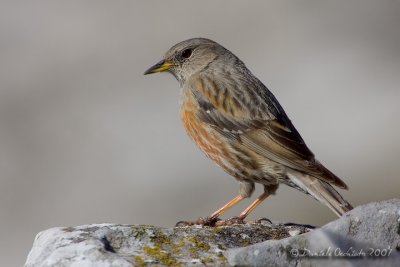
point(371, 228)
point(141, 245)
point(369, 235)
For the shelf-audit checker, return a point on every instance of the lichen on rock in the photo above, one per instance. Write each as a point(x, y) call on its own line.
point(376, 225)
point(144, 245)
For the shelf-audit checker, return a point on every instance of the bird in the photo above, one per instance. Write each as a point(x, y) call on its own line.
point(239, 124)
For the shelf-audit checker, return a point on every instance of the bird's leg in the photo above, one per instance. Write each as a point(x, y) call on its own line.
point(226, 207)
point(243, 215)
point(245, 191)
point(268, 190)
point(253, 205)
point(213, 218)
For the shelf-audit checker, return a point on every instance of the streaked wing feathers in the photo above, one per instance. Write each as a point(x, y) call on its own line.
point(275, 139)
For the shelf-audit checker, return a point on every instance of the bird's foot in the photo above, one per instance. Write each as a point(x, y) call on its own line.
point(213, 222)
point(231, 221)
point(200, 221)
point(263, 221)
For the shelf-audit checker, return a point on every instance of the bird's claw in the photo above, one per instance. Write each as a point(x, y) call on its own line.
point(212, 222)
point(183, 224)
point(264, 221)
point(200, 221)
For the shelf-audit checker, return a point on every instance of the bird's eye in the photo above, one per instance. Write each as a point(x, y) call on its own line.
point(187, 53)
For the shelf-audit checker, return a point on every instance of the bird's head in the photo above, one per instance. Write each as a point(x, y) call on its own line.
point(188, 57)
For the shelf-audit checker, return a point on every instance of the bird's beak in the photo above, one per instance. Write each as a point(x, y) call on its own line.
point(159, 67)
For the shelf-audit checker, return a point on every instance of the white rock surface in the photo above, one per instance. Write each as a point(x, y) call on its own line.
point(370, 228)
point(139, 245)
point(369, 235)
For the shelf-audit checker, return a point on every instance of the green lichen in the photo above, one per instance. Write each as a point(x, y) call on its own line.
point(199, 244)
point(207, 260)
point(176, 251)
point(176, 248)
point(139, 233)
point(163, 257)
point(139, 261)
point(160, 238)
point(217, 230)
point(193, 253)
point(221, 257)
point(179, 244)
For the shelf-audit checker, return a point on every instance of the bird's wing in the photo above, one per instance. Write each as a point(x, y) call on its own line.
point(272, 136)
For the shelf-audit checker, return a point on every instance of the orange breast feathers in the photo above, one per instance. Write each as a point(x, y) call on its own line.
point(201, 133)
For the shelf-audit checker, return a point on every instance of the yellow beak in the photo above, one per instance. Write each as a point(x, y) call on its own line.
point(159, 67)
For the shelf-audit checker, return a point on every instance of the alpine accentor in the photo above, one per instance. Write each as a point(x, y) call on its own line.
point(239, 124)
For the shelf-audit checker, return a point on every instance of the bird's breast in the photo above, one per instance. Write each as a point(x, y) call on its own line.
point(198, 131)
point(238, 163)
point(205, 137)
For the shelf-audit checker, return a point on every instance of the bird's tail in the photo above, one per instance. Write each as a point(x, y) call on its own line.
point(321, 191)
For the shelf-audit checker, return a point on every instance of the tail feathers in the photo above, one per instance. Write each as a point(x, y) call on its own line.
point(321, 191)
point(329, 177)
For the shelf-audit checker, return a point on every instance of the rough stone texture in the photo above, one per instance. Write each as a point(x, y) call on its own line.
point(373, 226)
point(348, 241)
point(141, 245)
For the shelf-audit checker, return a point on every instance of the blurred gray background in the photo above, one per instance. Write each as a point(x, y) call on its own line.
point(86, 138)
